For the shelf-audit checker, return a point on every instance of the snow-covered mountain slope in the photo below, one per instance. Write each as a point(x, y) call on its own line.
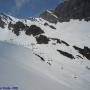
point(19, 67)
point(62, 49)
point(18, 71)
point(67, 40)
point(73, 9)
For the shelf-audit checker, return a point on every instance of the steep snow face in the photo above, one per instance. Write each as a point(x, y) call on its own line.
point(4, 33)
point(19, 67)
point(63, 48)
point(75, 32)
point(63, 37)
point(18, 71)
point(67, 40)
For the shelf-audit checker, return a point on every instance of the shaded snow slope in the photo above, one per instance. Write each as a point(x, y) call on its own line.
point(45, 39)
point(49, 40)
point(20, 67)
point(16, 70)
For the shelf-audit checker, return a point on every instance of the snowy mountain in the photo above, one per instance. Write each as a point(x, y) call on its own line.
point(67, 39)
point(60, 50)
point(69, 9)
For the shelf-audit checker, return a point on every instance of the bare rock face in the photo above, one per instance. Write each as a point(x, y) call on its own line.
point(73, 9)
point(4, 20)
point(69, 9)
point(49, 16)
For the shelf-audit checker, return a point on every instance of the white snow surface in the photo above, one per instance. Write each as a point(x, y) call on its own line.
point(75, 32)
point(16, 70)
point(62, 74)
point(20, 67)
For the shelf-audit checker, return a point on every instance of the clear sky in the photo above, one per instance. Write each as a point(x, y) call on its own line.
point(26, 8)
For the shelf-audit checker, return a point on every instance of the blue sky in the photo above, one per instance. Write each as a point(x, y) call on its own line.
point(26, 8)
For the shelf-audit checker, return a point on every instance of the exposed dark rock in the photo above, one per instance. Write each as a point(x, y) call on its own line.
point(49, 17)
point(69, 9)
point(53, 43)
point(34, 30)
point(46, 24)
point(78, 56)
point(66, 54)
point(85, 52)
point(10, 25)
point(52, 27)
point(16, 32)
point(2, 23)
point(32, 19)
point(75, 76)
point(5, 17)
point(19, 26)
point(58, 40)
point(73, 9)
point(42, 39)
point(49, 63)
point(65, 43)
point(40, 57)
